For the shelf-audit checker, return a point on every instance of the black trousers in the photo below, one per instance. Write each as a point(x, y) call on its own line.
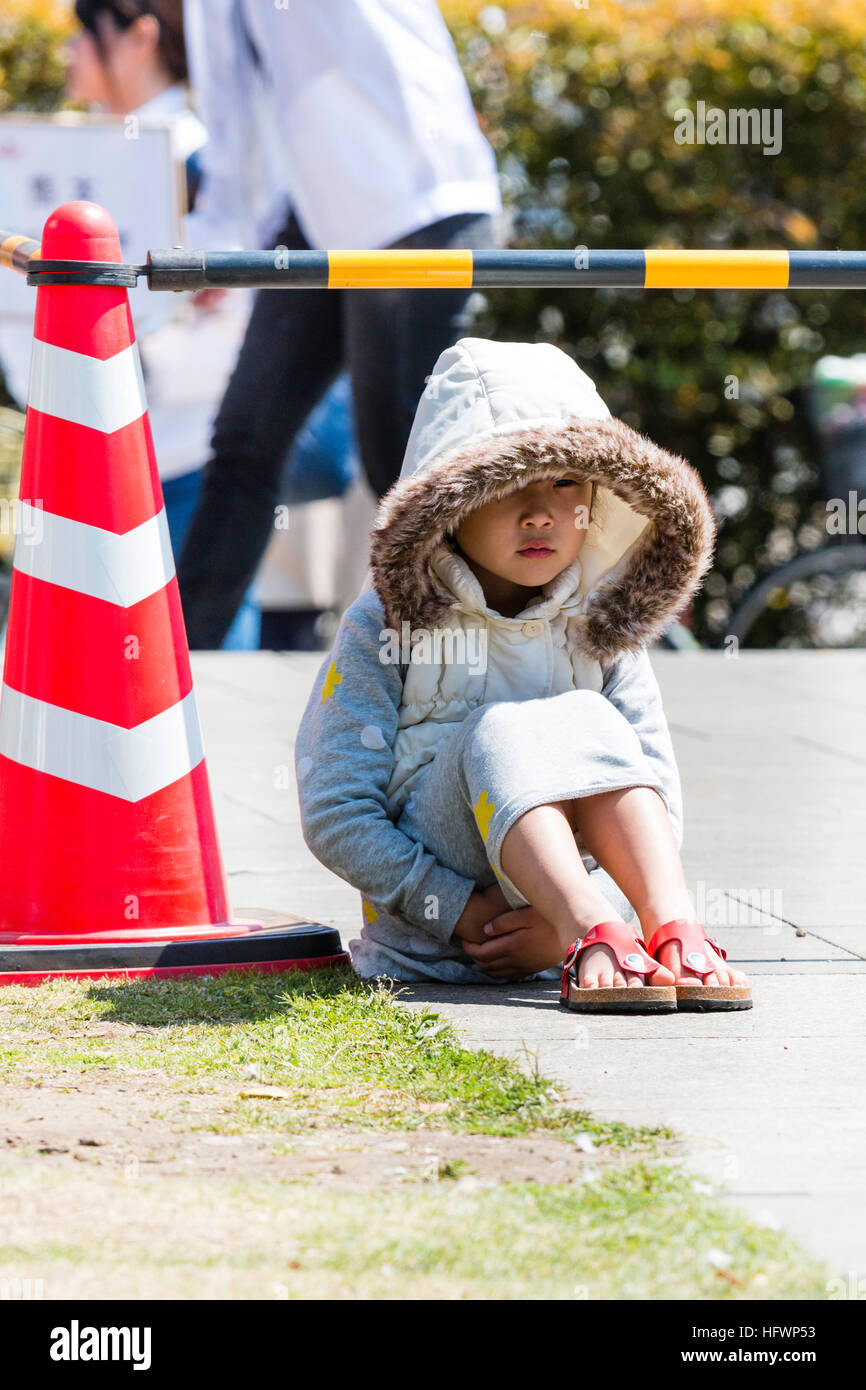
point(296, 343)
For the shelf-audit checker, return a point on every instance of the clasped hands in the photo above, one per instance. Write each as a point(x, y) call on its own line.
point(518, 942)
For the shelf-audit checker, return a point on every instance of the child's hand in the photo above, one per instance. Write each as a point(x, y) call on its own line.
point(520, 943)
point(483, 906)
point(497, 900)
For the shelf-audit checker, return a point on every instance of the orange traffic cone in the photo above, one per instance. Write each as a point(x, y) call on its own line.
point(109, 857)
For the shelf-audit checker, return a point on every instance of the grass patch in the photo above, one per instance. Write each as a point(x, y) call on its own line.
point(342, 1049)
point(338, 1051)
point(635, 1232)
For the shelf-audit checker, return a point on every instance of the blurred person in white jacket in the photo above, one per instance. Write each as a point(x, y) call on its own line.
point(372, 142)
point(129, 57)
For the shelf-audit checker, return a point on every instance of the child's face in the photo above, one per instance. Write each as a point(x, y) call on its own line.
point(554, 512)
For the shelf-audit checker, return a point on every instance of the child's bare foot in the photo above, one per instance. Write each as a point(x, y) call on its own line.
point(598, 968)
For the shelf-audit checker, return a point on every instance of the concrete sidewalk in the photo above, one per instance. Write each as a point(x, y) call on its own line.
point(772, 751)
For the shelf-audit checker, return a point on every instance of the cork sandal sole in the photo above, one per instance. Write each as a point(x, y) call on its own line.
point(706, 999)
point(621, 999)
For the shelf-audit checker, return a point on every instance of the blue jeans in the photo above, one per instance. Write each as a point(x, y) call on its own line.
point(323, 461)
point(181, 496)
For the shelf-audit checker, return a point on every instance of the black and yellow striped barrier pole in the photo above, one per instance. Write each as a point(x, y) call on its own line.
point(579, 268)
point(442, 269)
point(16, 252)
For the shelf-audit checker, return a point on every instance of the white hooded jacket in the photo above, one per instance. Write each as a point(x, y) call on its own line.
point(484, 395)
point(493, 418)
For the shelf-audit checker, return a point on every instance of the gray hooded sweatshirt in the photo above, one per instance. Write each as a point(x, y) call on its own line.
point(493, 418)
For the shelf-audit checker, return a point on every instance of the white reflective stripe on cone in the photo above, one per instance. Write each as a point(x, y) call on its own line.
point(122, 569)
point(129, 763)
point(104, 395)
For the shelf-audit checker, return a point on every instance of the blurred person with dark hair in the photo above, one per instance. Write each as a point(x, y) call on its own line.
point(372, 142)
point(127, 52)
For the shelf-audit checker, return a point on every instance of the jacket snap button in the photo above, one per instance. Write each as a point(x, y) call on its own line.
point(532, 629)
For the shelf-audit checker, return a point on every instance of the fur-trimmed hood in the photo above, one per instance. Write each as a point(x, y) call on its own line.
point(495, 417)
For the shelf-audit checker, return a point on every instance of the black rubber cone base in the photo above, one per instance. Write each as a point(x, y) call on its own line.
point(282, 943)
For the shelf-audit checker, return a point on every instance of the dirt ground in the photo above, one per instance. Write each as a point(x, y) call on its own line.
point(139, 1125)
point(119, 1187)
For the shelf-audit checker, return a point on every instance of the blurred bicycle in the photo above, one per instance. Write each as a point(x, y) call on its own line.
point(818, 599)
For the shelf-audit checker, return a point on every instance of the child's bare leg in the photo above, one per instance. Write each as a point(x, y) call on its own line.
point(628, 832)
point(541, 858)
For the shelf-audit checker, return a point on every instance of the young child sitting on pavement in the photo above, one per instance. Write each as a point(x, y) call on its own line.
point(484, 753)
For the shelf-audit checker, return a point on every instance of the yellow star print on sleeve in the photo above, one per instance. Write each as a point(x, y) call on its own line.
point(331, 681)
point(484, 809)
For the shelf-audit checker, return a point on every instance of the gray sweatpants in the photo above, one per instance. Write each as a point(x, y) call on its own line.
point(503, 759)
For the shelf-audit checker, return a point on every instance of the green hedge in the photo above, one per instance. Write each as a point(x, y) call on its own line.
point(580, 105)
point(32, 69)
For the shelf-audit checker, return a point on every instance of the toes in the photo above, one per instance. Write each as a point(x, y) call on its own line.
point(662, 976)
point(618, 979)
point(597, 970)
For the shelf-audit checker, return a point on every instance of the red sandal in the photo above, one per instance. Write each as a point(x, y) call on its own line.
point(699, 953)
point(616, 999)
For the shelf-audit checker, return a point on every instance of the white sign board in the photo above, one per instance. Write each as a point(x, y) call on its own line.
point(125, 166)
